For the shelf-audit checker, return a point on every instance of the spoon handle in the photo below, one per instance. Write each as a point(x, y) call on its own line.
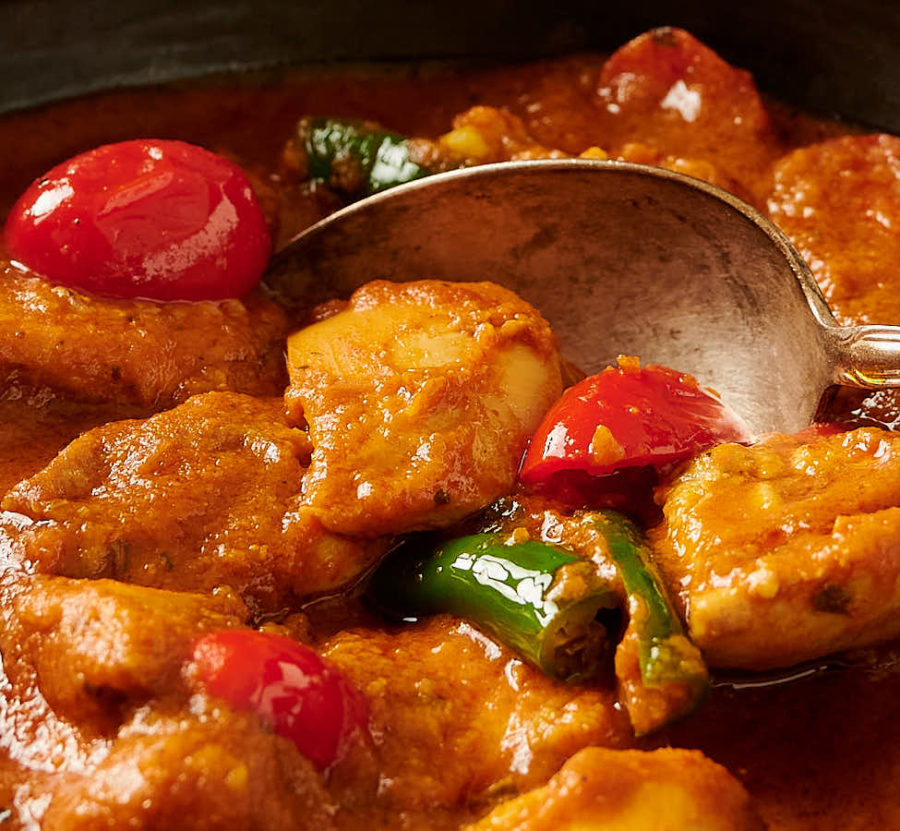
point(866, 356)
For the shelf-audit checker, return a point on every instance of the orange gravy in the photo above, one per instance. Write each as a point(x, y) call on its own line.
point(816, 754)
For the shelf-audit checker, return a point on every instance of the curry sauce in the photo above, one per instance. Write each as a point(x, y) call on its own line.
point(462, 723)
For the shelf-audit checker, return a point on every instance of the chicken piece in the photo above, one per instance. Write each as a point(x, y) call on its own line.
point(135, 351)
point(458, 717)
point(222, 773)
point(36, 428)
point(786, 550)
point(631, 790)
point(668, 90)
point(198, 497)
point(78, 656)
point(93, 646)
point(839, 202)
point(420, 399)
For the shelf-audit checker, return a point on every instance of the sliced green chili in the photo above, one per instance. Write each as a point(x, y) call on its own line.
point(536, 598)
point(356, 157)
point(666, 655)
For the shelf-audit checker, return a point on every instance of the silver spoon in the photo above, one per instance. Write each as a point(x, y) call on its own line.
point(621, 259)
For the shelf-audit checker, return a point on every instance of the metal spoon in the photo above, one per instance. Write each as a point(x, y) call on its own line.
point(621, 259)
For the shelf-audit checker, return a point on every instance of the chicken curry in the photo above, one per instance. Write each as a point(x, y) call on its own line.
point(393, 562)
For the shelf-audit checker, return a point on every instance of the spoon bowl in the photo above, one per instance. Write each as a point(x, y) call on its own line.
point(621, 259)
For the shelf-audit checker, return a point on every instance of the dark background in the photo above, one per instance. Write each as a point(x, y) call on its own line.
point(834, 56)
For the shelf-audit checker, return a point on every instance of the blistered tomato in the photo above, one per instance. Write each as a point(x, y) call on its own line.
point(302, 697)
point(626, 417)
point(157, 219)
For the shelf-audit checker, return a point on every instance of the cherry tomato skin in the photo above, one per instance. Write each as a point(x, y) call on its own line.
point(302, 697)
point(157, 219)
point(624, 417)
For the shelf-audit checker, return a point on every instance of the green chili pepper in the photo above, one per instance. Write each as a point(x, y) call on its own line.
point(356, 157)
point(666, 654)
point(538, 599)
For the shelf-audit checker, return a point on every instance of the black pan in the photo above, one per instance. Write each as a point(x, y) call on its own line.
point(831, 56)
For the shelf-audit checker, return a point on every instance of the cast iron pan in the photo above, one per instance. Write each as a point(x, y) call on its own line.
point(832, 56)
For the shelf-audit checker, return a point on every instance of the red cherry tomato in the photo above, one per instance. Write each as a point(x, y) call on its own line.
point(158, 219)
point(303, 697)
point(624, 417)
